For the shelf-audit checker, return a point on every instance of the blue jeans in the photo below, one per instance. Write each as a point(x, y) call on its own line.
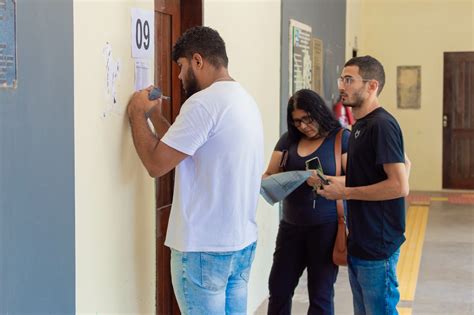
point(374, 285)
point(212, 283)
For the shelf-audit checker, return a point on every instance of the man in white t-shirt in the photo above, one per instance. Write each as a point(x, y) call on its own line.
point(216, 145)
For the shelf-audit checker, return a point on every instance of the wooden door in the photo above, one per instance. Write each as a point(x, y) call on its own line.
point(172, 18)
point(458, 120)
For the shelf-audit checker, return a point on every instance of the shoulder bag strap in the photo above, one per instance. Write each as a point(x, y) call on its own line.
point(337, 155)
point(283, 161)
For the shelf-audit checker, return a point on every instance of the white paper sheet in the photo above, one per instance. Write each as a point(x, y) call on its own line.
point(142, 74)
point(143, 33)
point(276, 187)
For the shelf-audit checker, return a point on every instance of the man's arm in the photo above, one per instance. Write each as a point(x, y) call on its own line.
point(157, 157)
point(407, 166)
point(159, 122)
point(395, 186)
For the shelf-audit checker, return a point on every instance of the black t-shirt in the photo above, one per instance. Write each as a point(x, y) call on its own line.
point(298, 206)
point(376, 228)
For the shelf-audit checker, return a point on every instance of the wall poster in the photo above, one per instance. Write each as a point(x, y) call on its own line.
point(300, 61)
point(409, 87)
point(8, 71)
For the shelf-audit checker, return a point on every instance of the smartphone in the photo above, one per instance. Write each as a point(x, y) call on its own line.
point(315, 164)
point(322, 177)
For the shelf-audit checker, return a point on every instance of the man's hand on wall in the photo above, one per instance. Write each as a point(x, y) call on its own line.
point(139, 103)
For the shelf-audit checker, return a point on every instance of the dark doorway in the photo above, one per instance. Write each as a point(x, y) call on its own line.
point(172, 18)
point(458, 120)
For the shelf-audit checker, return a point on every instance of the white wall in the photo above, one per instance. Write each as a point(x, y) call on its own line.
point(251, 30)
point(353, 25)
point(115, 223)
point(115, 249)
point(417, 32)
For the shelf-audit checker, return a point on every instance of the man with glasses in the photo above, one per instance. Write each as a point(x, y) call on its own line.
point(376, 184)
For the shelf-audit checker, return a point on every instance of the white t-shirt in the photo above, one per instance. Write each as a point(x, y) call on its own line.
point(217, 187)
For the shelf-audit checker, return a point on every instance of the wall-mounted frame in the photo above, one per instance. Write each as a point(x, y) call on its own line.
point(300, 61)
point(409, 87)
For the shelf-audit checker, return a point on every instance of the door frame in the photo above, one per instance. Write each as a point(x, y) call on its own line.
point(449, 133)
point(190, 14)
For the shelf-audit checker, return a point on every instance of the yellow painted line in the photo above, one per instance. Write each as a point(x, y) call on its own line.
point(404, 310)
point(439, 198)
point(410, 252)
point(420, 202)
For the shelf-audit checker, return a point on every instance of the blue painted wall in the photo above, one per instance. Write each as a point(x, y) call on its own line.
point(328, 21)
point(37, 262)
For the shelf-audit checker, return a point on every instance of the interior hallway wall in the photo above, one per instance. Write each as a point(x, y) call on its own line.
point(353, 25)
point(37, 165)
point(328, 22)
point(251, 30)
point(115, 217)
point(417, 32)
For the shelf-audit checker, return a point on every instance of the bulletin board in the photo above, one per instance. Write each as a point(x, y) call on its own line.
point(300, 61)
point(8, 65)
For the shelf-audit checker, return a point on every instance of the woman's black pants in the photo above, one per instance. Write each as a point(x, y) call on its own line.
point(297, 248)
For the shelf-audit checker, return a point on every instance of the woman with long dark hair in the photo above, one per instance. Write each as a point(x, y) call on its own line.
point(308, 226)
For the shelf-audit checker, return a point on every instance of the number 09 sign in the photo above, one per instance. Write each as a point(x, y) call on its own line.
point(143, 33)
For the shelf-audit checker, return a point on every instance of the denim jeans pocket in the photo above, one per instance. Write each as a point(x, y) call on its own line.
point(247, 260)
point(215, 270)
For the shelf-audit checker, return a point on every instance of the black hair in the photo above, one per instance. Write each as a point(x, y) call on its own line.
point(369, 69)
point(314, 105)
point(204, 41)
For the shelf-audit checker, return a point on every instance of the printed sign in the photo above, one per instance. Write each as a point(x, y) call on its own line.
point(300, 62)
point(143, 33)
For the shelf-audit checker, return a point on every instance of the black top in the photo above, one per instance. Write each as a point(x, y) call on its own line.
point(376, 228)
point(298, 206)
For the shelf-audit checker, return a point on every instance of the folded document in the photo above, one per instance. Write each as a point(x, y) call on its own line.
point(276, 187)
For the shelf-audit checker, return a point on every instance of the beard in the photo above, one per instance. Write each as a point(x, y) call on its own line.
point(191, 85)
point(357, 101)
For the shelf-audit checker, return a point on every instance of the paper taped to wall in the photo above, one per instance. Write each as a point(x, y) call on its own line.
point(142, 74)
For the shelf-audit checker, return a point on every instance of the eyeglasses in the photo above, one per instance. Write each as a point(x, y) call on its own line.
point(306, 120)
point(345, 81)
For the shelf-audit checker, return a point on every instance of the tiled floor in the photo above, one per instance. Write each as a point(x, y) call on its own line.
point(443, 280)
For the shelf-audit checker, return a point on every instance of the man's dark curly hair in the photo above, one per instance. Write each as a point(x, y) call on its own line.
point(204, 41)
point(369, 69)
